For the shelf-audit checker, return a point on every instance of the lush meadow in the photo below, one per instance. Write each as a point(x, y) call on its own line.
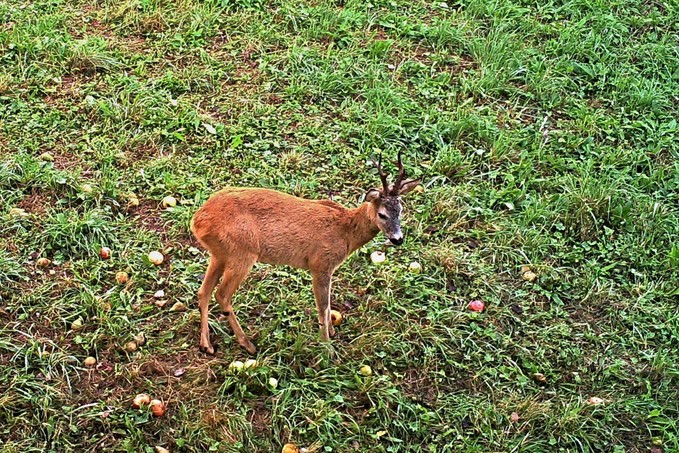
point(546, 136)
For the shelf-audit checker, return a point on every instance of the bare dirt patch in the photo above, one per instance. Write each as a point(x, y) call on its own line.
point(260, 419)
point(243, 86)
point(90, 23)
point(66, 160)
point(120, 377)
point(217, 419)
point(139, 150)
point(66, 91)
point(418, 385)
point(37, 202)
point(148, 214)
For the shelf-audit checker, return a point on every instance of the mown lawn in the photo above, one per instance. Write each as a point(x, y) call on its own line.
point(546, 135)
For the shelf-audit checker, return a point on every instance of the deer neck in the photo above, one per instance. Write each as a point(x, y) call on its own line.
point(363, 227)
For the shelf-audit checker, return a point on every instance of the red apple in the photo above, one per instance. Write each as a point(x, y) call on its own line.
point(105, 253)
point(477, 305)
point(157, 408)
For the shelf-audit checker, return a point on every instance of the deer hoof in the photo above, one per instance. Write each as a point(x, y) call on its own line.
point(207, 349)
point(248, 346)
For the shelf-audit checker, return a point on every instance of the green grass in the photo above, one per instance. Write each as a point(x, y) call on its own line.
point(546, 134)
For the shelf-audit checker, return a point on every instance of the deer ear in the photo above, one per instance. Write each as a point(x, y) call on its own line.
point(408, 185)
point(372, 195)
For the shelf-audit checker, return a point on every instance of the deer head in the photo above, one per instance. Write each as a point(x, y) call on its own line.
point(387, 201)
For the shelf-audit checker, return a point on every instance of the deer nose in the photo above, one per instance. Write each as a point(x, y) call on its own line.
point(397, 241)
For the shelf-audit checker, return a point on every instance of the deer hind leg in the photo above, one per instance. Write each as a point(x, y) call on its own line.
point(232, 278)
point(321, 283)
point(214, 270)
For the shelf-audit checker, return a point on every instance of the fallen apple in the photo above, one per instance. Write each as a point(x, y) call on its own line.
point(415, 267)
point(90, 361)
point(365, 370)
point(178, 307)
point(273, 382)
point(141, 399)
point(132, 201)
point(122, 277)
point(103, 304)
point(131, 346)
point(539, 377)
point(335, 317)
point(156, 257)
point(86, 188)
point(160, 449)
point(18, 212)
point(77, 324)
point(595, 401)
point(140, 339)
point(290, 448)
point(529, 276)
point(157, 408)
point(47, 157)
point(476, 305)
point(42, 262)
point(169, 202)
point(378, 257)
point(250, 363)
point(105, 253)
point(236, 365)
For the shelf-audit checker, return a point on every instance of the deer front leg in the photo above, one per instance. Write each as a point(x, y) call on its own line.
point(321, 283)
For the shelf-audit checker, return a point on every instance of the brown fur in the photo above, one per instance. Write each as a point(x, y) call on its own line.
point(241, 226)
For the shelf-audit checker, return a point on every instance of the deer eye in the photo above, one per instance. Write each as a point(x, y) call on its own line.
point(381, 216)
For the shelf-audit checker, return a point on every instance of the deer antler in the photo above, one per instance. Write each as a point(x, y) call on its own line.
point(383, 176)
point(399, 178)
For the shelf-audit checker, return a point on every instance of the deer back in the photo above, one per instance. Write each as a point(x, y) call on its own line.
point(277, 228)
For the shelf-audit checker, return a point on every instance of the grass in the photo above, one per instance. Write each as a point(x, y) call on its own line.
point(546, 134)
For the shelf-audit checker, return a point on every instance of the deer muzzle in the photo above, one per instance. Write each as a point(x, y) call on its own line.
point(396, 240)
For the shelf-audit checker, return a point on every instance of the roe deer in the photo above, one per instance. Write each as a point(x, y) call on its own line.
point(242, 226)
